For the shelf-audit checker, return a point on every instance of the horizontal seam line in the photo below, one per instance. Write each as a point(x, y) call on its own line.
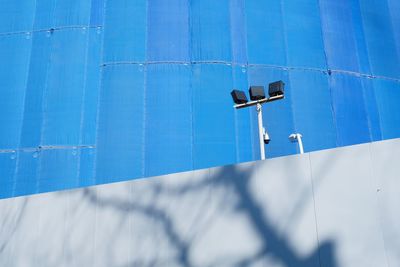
point(325, 71)
point(51, 29)
point(39, 148)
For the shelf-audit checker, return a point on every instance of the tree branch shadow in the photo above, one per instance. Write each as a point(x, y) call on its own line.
point(228, 178)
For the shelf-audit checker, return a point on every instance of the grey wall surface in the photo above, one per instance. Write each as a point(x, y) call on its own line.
point(332, 208)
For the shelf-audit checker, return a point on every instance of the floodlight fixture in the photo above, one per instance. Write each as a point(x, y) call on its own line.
point(256, 93)
point(276, 88)
point(239, 97)
point(257, 98)
point(296, 137)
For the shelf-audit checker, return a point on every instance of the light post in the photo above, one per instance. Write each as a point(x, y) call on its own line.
point(257, 97)
point(261, 131)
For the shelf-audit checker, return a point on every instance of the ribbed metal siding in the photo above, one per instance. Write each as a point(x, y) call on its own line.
point(100, 91)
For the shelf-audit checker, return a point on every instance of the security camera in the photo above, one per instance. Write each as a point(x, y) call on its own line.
point(296, 137)
point(266, 138)
point(293, 138)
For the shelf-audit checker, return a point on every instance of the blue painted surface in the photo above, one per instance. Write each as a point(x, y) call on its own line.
point(95, 91)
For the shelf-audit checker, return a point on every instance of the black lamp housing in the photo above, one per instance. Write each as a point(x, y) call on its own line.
point(257, 92)
point(276, 88)
point(239, 97)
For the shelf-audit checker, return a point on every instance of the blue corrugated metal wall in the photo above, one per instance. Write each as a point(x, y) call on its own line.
point(100, 91)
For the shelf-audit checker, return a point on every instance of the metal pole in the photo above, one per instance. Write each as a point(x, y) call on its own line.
point(299, 136)
point(260, 131)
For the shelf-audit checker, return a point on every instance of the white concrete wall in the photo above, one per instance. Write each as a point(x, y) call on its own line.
point(332, 208)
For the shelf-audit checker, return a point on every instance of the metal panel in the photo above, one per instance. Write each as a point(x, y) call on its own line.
point(86, 163)
point(227, 226)
point(303, 35)
point(394, 9)
point(63, 89)
point(386, 171)
point(79, 248)
point(282, 191)
point(386, 94)
point(265, 34)
point(379, 38)
point(346, 207)
point(165, 17)
point(213, 125)
point(27, 174)
point(7, 167)
point(16, 17)
point(372, 109)
point(337, 22)
point(14, 66)
point(359, 36)
point(125, 31)
point(121, 107)
point(169, 137)
point(40, 60)
point(16, 214)
point(111, 221)
point(209, 26)
point(330, 208)
point(97, 12)
point(238, 31)
point(90, 94)
point(72, 12)
point(349, 110)
point(58, 168)
point(52, 224)
point(44, 15)
point(87, 73)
